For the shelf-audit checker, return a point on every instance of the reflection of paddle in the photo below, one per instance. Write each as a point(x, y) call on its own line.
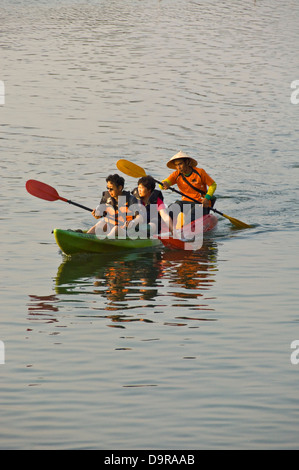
point(44, 191)
point(136, 171)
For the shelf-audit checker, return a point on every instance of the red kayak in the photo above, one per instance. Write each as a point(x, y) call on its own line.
point(191, 237)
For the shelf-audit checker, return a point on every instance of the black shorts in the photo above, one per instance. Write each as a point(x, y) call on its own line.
point(187, 206)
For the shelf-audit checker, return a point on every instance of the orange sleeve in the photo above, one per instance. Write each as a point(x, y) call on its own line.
point(206, 178)
point(173, 177)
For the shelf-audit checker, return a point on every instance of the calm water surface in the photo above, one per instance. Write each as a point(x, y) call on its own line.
point(156, 350)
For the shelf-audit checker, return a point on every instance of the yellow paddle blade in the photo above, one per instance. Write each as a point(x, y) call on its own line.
point(130, 169)
point(237, 223)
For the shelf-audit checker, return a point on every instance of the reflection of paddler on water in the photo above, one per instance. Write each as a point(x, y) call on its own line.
point(118, 278)
point(128, 281)
point(191, 270)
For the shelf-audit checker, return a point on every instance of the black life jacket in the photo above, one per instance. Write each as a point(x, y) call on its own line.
point(153, 199)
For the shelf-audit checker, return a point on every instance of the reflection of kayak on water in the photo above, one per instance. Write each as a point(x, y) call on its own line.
point(72, 242)
point(111, 275)
point(89, 265)
point(125, 277)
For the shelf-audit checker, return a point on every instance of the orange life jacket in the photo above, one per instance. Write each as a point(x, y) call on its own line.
point(118, 212)
point(194, 185)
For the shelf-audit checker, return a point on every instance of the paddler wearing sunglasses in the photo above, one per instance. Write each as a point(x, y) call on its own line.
point(115, 210)
point(192, 181)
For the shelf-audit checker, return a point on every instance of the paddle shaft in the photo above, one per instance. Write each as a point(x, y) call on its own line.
point(189, 197)
point(75, 204)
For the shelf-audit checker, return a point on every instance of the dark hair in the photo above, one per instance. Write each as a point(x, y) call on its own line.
point(116, 179)
point(148, 182)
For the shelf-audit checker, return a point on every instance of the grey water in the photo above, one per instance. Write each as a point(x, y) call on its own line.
point(160, 349)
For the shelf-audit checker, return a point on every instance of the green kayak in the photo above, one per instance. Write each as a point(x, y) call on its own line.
point(71, 242)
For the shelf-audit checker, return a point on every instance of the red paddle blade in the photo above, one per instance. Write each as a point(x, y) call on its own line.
point(42, 190)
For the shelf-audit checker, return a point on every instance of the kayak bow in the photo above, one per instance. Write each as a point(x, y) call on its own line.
point(73, 242)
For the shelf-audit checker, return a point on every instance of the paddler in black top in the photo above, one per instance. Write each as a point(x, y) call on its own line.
point(115, 210)
point(152, 200)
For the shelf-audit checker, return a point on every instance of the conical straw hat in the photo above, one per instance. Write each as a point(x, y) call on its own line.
point(180, 155)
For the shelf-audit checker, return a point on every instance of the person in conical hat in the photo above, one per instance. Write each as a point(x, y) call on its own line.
point(191, 180)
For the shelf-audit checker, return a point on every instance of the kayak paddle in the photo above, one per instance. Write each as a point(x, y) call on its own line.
point(131, 169)
point(44, 191)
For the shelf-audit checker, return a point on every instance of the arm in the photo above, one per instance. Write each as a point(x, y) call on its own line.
point(167, 182)
point(164, 214)
point(166, 219)
point(208, 196)
point(97, 211)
